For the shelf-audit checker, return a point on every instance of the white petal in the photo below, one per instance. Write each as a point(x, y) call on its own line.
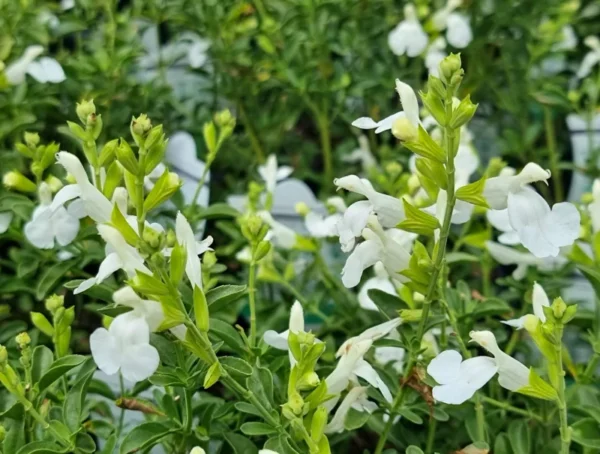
point(340, 377)
point(356, 216)
point(66, 193)
point(85, 285)
point(478, 371)
point(5, 220)
point(462, 212)
point(185, 236)
point(453, 393)
point(337, 422)
point(47, 69)
point(276, 340)
point(517, 323)
point(139, 362)
point(561, 226)
point(387, 123)
point(365, 123)
point(283, 172)
point(105, 351)
point(15, 72)
point(38, 231)
point(526, 208)
point(499, 219)
point(590, 60)
point(64, 226)
point(364, 255)
point(364, 370)
point(509, 256)
point(445, 367)
point(109, 265)
point(512, 374)
point(296, 318)
point(389, 210)
point(408, 98)
point(458, 33)
point(540, 300)
point(73, 165)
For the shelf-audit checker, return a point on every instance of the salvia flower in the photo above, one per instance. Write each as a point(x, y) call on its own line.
point(408, 37)
point(48, 226)
point(511, 256)
point(43, 70)
point(539, 300)
point(271, 174)
point(356, 399)
point(280, 340)
point(185, 237)
point(591, 59)
point(125, 347)
point(457, 26)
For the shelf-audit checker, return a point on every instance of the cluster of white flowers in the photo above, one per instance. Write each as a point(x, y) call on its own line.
point(42, 69)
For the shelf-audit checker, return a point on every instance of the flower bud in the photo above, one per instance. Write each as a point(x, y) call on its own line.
point(139, 127)
point(411, 315)
point(85, 109)
point(152, 237)
point(254, 224)
point(450, 70)
point(17, 181)
point(212, 375)
point(2, 433)
point(210, 137)
point(108, 151)
point(404, 130)
point(296, 404)
point(308, 381)
point(197, 450)
point(54, 302)
point(171, 238)
point(559, 308)
point(262, 250)
point(302, 208)
point(32, 139)
point(3, 356)
point(319, 421)
point(224, 119)
point(164, 188)
point(126, 157)
point(463, 113)
point(154, 136)
point(23, 340)
point(209, 259)
point(53, 183)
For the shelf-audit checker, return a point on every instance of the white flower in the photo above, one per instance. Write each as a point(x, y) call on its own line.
point(512, 374)
point(95, 205)
point(362, 154)
point(591, 59)
point(151, 311)
point(458, 29)
point(499, 220)
point(47, 226)
point(125, 347)
point(410, 111)
point(197, 52)
point(120, 256)
point(379, 246)
point(67, 4)
point(185, 237)
point(280, 340)
point(381, 281)
point(44, 70)
point(339, 379)
point(320, 226)
point(541, 229)
point(390, 356)
point(389, 210)
point(281, 235)
point(271, 174)
point(498, 188)
point(360, 367)
point(459, 380)
point(434, 56)
point(357, 399)
point(6, 218)
point(540, 300)
point(408, 37)
point(510, 256)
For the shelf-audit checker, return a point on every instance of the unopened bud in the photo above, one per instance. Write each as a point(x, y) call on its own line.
point(54, 302)
point(319, 421)
point(3, 355)
point(171, 238)
point(449, 67)
point(302, 208)
point(17, 181)
point(254, 224)
point(296, 404)
point(209, 259)
point(32, 139)
point(140, 125)
point(411, 315)
point(2, 433)
point(54, 183)
point(558, 308)
point(224, 119)
point(86, 111)
point(23, 340)
point(152, 237)
point(393, 168)
point(197, 450)
point(404, 130)
point(530, 323)
point(308, 381)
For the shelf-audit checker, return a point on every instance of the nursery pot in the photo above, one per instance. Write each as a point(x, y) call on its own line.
point(585, 137)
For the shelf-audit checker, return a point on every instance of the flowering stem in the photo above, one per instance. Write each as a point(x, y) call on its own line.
point(41, 421)
point(323, 124)
point(252, 297)
point(554, 158)
point(565, 430)
point(139, 183)
point(450, 146)
point(431, 435)
point(199, 188)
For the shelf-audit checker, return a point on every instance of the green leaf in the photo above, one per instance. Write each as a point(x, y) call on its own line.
point(261, 384)
point(502, 444)
point(144, 436)
point(40, 321)
point(75, 399)
point(120, 223)
point(387, 304)
point(586, 432)
point(412, 449)
point(245, 407)
point(42, 447)
point(520, 439)
point(490, 306)
point(41, 361)
point(410, 415)
point(236, 366)
point(425, 146)
point(455, 257)
point(85, 443)
point(50, 278)
point(228, 334)
point(356, 419)
point(222, 296)
point(538, 388)
point(59, 368)
point(13, 421)
point(473, 193)
point(27, 267)
point(418, 221)
point(148, 284)
point(240, 444)
point(257, 429)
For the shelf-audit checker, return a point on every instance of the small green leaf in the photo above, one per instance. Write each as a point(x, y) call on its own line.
point(257, 429)
point(144, 436)
point(425, 146)
point(42, 447)
point(119, 222)
point(42, 359)
point(412, 449)
point(240, 444)
point(473, 193)
point(51, 277)
point(410, 415)
point(586, 432)
point(236, 366)
point(519, 436)
point(221, 296)
point(60, 367)
point(75, 399)
point(418, 221)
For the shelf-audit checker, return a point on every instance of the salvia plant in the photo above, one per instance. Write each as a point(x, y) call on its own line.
point(440, 295)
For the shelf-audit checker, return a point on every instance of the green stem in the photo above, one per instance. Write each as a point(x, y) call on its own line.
point(450, 148)
point(565, 430)
point(590, 370)
point(507, 407)
point(254, 140)
point(188, 416)
point(554, 155)
point(41, 421)
point(480, 416)
point(325, 137)
point(139, 183)
point(431, 435)
point(199, 188)
point(252, 298)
